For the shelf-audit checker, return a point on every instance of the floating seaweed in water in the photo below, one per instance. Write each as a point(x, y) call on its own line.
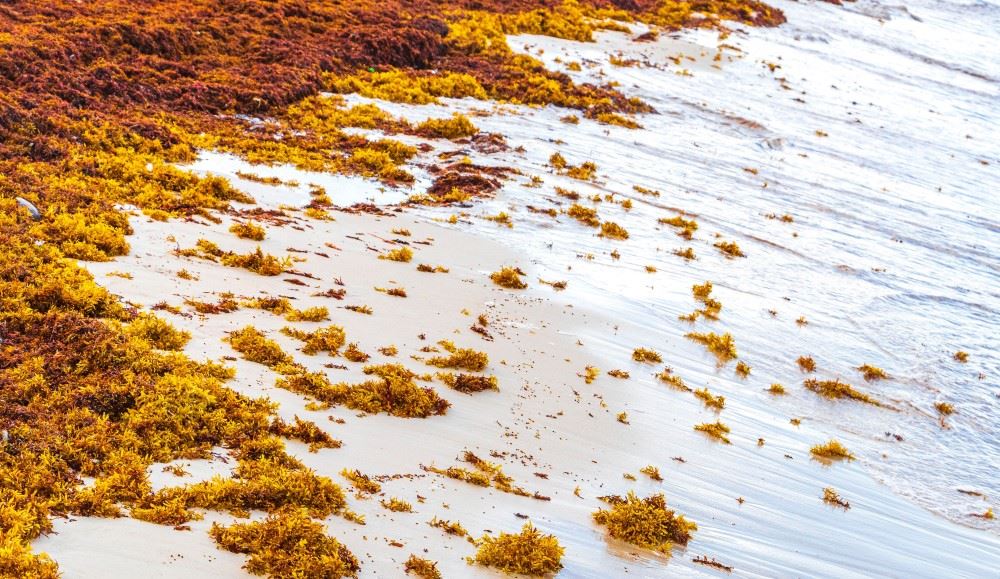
point(509, 277)
point(831, 450)
point(724, 347)
point(645, 522)
point(716, 430)
point(835, 389)
point(961, 356)
point(743, 369)
point(806, 363)
point(528, 553)
point(776, 389)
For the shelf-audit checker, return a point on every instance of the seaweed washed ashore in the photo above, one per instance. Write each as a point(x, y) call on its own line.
point(98, 391)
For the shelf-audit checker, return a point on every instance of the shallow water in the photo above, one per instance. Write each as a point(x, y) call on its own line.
point(892, 256)
point(898, 221)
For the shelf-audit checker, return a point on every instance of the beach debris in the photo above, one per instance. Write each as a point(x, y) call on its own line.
point(961, 356)
point(704, 560)
point(710, 400)
point(30, 207)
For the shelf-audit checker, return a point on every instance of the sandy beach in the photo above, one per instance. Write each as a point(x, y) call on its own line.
point(785, 142)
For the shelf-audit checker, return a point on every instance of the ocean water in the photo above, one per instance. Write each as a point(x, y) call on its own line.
point(876, 131)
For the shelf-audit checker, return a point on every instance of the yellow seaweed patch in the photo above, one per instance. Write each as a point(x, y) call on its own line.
point(835, 389)
point(529, 552)
point(248, 230)
point(509, 277)
point(287, 544)
point(645, 522)
point(716, 430)
point(403, 254)
point(423, 568)
point(329, 339)
point(832, 449)
point(646, 355)
point(724, 347)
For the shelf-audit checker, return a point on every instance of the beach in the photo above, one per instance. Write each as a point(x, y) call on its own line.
point(841, 185)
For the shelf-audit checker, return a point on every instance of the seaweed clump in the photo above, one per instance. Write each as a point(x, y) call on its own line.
point(509, 277)
point(470, 383)
point(288, 544)
point(835, 389)
point(646, 355)
point(832, 449)
point(716, 430)
point(463, 358)
point(872, 373)
point(423, 568)
point(724, 347)
point(248, 230)
point(529, 552)
point(645, 522)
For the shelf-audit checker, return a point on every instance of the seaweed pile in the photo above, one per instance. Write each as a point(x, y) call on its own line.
point(99, 101)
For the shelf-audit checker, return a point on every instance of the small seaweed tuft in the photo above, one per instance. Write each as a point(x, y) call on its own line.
point(646, 355)
point(831, 450)
point(509, 277)
point(716, 430)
